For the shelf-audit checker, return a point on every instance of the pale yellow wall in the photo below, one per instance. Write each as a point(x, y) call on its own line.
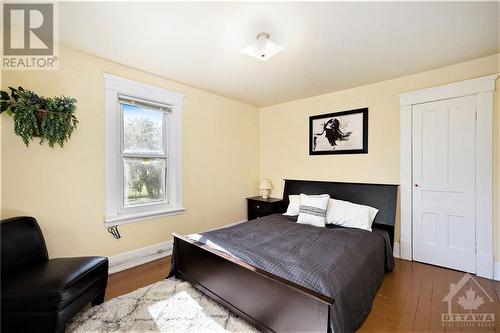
point(284, 132)
point(64, 188)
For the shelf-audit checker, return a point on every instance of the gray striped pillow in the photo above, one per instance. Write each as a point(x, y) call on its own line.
point(313, 209)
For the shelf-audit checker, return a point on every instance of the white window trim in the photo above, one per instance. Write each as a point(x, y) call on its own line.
point(115, 86)
point(483, 88)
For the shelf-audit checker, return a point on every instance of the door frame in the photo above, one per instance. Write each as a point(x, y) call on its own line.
point(483, 88)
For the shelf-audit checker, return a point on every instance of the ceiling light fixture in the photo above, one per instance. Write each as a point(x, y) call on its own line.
point(263, 48)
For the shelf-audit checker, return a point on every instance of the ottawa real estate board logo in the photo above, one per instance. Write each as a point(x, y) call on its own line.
point(468, 305)
point(30, 36)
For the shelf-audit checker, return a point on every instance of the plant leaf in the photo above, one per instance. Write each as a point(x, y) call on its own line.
point(4, 101)
point(13, 93)
point(3, 106)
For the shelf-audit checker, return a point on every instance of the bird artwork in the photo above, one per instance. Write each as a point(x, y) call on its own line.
point(333, 133)
point(343, 132)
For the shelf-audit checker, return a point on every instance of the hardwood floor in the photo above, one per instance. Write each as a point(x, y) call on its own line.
point(410, 298)
point(134, 278)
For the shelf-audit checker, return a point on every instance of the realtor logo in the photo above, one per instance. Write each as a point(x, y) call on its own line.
point(29, 36)
point(470, 297)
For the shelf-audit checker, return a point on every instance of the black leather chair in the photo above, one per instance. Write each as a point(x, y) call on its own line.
point(41, 294)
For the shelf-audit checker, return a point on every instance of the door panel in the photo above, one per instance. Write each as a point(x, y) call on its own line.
point(444, 183)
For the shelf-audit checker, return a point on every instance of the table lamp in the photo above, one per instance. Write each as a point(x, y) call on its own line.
point(265, 186)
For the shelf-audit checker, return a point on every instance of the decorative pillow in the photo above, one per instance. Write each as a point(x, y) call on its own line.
point(349, 214)
point(313, 209)
point(293, 206)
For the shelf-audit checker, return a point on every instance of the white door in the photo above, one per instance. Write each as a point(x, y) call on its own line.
point(444, 183)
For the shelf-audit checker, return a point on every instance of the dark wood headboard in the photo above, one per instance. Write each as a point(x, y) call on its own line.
point(381, 196)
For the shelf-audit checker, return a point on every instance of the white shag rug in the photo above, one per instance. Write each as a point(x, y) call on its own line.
point(167, 306)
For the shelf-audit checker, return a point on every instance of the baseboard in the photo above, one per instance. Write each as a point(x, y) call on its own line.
point(496, 270)
point(395, 250)
point(485, 265)
point(146, 254)
point(140, 256)
point(405, 249)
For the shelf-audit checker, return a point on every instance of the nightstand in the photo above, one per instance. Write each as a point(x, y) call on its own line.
point(259, 207)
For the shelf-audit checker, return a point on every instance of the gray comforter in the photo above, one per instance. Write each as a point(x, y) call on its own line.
point(343, 263)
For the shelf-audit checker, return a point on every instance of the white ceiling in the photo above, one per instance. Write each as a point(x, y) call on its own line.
point(329, 46)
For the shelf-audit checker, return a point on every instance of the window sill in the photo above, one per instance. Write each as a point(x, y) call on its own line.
point(131, 218)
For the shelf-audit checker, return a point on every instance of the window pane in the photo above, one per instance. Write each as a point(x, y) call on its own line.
point(142, 130)
point(144, 180)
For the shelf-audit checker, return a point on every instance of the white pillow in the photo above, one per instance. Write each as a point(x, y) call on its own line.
point(293, 206)
point(313, 209)
point(349, 214)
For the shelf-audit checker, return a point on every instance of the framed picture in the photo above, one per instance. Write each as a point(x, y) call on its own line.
point(339, 133)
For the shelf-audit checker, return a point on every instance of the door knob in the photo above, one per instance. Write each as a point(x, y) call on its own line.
point(416, 185)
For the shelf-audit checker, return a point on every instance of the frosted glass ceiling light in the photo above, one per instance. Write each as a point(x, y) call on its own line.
point(263, 48)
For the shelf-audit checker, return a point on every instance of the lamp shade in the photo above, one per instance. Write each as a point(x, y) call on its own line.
point(265, 184)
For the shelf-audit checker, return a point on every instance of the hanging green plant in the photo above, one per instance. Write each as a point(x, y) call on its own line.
point(51, 119)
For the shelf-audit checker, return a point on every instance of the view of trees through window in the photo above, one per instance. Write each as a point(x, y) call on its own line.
point(144, 155)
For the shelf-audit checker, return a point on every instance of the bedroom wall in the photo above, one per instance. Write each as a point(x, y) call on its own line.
point(64, 188)
point(284, 132)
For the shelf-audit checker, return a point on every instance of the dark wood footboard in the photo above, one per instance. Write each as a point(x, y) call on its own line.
point(267, 301)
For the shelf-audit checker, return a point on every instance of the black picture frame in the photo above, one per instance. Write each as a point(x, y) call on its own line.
point(363, 150)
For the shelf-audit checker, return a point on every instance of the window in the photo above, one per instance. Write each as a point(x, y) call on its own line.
point(143, 169)
point(144, 155)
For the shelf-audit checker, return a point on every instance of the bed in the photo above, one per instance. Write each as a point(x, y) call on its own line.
point(282, 276)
